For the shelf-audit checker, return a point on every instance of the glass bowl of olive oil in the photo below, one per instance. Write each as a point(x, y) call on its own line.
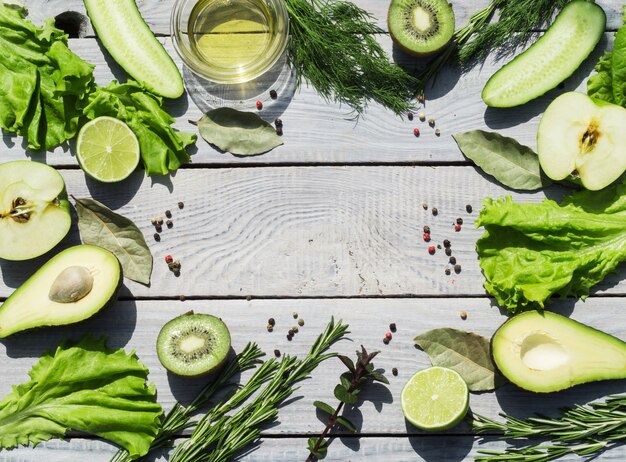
point(230, 41)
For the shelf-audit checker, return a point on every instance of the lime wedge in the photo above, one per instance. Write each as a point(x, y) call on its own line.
point(107, 150)
point(435, 398)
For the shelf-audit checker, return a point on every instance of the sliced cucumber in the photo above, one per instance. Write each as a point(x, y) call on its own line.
point(132, 44)
point(551, 59)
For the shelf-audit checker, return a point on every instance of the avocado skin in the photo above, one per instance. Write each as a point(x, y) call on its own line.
point(592, 355)
point(111, 299)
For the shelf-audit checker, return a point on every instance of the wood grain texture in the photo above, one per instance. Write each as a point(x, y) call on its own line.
point(302, 231)
point(135, 325)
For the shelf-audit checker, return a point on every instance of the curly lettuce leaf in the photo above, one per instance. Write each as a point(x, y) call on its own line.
point(600, 85)
point(531, 251)
point(163, 149)
point(42, 83)
point(84, 387)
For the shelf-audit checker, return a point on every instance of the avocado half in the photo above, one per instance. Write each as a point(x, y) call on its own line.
point(545, 352)
point(73, 286)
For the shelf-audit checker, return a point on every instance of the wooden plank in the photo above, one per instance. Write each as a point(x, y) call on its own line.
point(156, 13)
point(135, 325)
point(426, 448)
point(302, 231)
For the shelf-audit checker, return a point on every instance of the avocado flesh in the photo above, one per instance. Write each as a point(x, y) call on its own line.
point(30, 305)
point(545, 352)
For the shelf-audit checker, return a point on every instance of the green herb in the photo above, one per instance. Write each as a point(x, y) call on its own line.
point(163, 149)
point(218, 436)
point(581, 430)
point(237, 132)
point(467, 353)
point(512, 164)
point(42, 83)
point(333, 46)
point(100, 226)
point(531, 251)
point(347, 392)
point(84, 387)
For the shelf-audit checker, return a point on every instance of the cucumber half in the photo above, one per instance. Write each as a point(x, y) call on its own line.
point(551, 59)
point(132, 44)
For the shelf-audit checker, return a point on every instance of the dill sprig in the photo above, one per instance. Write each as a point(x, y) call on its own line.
point(178, 418)
point(333, 47)
point(581, 430)
point(218, 436)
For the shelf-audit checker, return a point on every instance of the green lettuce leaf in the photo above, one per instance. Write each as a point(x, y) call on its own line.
point(600, 85)
point(84, 387)
point(163, 149)
point(42, 83)
point(531, 251)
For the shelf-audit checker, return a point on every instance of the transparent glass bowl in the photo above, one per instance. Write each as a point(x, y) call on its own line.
point(278, 19)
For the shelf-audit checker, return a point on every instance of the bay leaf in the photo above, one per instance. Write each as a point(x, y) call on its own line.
point(240, 133)
point(99, 225)
point(511, 163)
point(467, 353)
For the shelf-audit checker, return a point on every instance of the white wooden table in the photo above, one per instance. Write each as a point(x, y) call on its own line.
point(328, 224)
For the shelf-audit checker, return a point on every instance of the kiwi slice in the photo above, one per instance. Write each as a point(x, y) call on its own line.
point(192, 345)
point(420, 27)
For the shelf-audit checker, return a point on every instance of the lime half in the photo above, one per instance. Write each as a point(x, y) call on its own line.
point(107, 149)
point(435, 398)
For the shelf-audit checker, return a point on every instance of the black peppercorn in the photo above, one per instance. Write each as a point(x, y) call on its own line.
point(446, 243)
point(278, 122)
point(392, 327)
point(394, 371)
point(181, 205)
point(279, 131)
point(459, 221)
point(277, 353)
point(158, 228)
point(425, 206)
point(385, 340)
point(457, 268)
point(271, 321)
point(410, 115)
point(453, 260)
point(273, 94)
point(157, 237)
point(169, 223)
point(290, 332)
point(468, 208)
point(168, 214)
point(448, 251)
point(435, 211)
point(447, 271)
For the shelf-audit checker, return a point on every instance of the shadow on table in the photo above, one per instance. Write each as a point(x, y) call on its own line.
point(451, 448)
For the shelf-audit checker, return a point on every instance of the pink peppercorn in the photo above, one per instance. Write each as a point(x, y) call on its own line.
point(426, 237)
point(457, 227)
point(388, 335)
point(416, 131)
point(259, 105)
point(431, 249)
point(168, 259)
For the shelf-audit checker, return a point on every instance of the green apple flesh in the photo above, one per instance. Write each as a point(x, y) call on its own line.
point(34, 211)
point(584, 138)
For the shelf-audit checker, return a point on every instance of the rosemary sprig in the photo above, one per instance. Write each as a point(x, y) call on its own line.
point(178, 418)
point(333, 47)
point(219, 436)
point(581, 430)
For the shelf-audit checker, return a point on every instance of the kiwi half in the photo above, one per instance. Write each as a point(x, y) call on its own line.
point(420, 27)
point(192, 345)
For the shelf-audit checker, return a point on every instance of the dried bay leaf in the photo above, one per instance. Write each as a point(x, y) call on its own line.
point(467, 353)
point(237, 132)
point(100, 226)
point(512, 164)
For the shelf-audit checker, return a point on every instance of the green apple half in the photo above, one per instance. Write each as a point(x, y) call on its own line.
point(34, 211)
point(584, 138)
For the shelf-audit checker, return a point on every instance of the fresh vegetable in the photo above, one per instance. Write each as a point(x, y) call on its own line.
point(128, 38)
point(512, 164)
point(34, 211)
point(334, 48)
point(467, 353)
point(72, 286)
point(84, 387)
point(42, 83)
point(436, 398)
point(162, 148)
point(551, 59)
point(531, 251)
point(545, 352)
point(347, 392)
point(581, 430)
point(99, 225)
point(237, 132)
point(516, 20)
point(584, 139)
point(609, 84)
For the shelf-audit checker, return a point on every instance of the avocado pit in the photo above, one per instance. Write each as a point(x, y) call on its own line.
point(71, 285)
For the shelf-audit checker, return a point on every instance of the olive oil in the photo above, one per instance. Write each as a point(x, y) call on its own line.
point(234, 36)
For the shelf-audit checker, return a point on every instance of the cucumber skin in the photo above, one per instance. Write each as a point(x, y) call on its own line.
point(127, 37)
point(490, 93)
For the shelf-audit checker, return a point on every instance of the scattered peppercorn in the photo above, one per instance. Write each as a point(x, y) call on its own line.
point(181, 205)
point(457, 228)
point(431, 249)
point(416, 131)
point(439, 246)
point(427, 229)
point(248, 297)
point(153, 221)
point(169, 259)
point(301, 322)
point(463, 314)
point(289, 337)
point(422, 116)
point(295, 329)
point(394, 371)
point(468, 208)
point(410, 115)
point(273, 94)
point(279, 131)
point(448, 251)
point(388, 335)
point(290, 332)
point(157, 237)
point(295, 315)
point(385, 340)
point(182, 298)
point(159, 220)
point(431, 122)
point(435, 211)
point(446, 243)
point(437, 132)
point(158, 228)
point(457, 268)
point(426, 237)
point(168, 214)
point(271, 321)
point(447, 271)
point(459, 221)
point(259, 105)
point(270, 328)
point(392, 327)
point(278, 122)
point(453, 260)
point(425, 206)
point(169, 223)
point(277, 353)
